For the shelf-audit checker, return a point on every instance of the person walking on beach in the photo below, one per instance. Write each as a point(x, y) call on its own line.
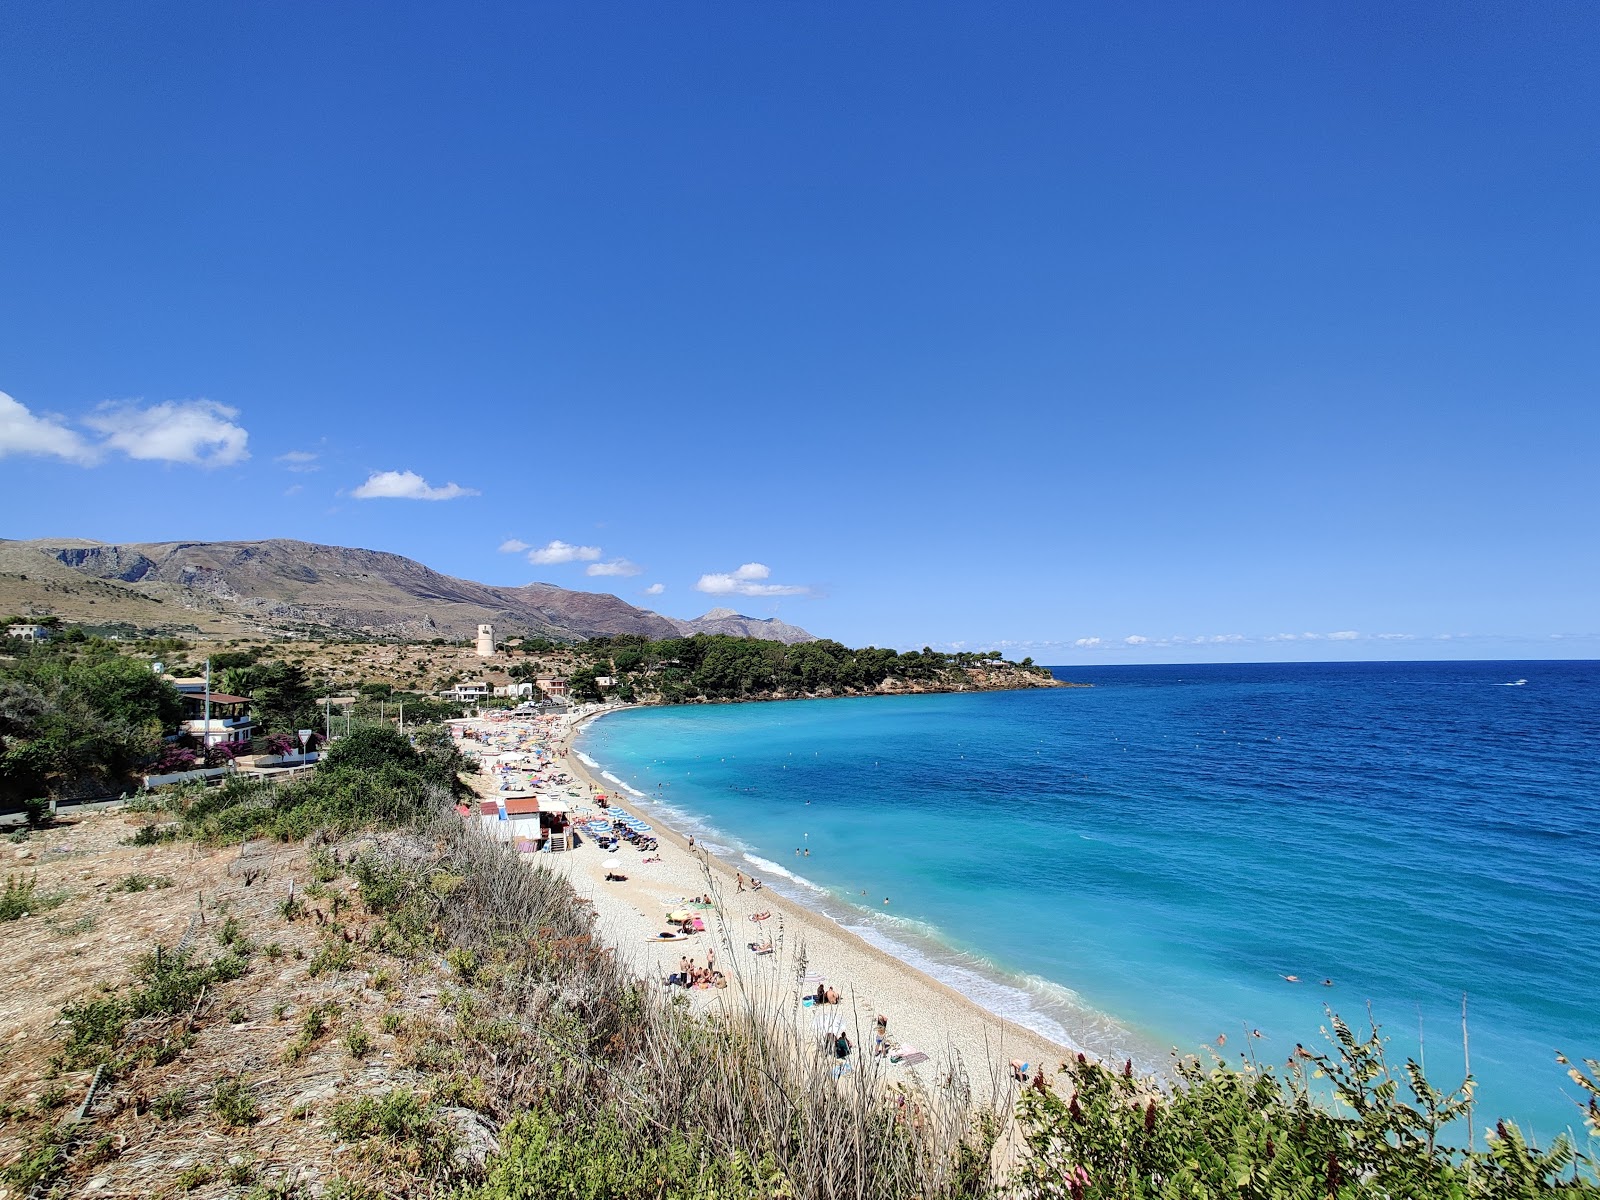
point(740, 876)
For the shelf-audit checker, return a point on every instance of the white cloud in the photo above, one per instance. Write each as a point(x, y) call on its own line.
point(513, 546)
point(617, 566)
point(1395, 637)
point(742, 582)
point(562, 552)
point(294, 489)
point(200, 432)
point(407, 485)
point(21, 432)
point(655, 589)
point(1087, 643)
point(299, 460)
point(1344, 635)
point(1220, 639)
point(1135, 640)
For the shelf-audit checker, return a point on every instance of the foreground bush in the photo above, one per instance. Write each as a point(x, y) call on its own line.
point(1254, 1133)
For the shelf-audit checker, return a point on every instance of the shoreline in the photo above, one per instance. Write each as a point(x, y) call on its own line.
point(928, 1014)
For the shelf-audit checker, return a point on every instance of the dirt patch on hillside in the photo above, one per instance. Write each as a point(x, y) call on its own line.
point(317, 1016)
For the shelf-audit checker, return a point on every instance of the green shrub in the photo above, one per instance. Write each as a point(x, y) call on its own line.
point(137, 882)
point(396, 1127)
point(167, 983)
point(358, 1042)
point(546, 1152)
point(196, 1176)
point(312, 1027)
point(172, 1105)
point(332, 956)
point(23, 896)
point(234, 1102)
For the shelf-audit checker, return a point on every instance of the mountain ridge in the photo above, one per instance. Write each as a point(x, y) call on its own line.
point(287, 586)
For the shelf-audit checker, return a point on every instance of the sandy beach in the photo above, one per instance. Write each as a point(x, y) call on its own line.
point(923, 1014)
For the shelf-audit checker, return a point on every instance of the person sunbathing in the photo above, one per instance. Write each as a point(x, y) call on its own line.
point(760, 916)
point(832, 996)
point(613, 877)
point(762, 947)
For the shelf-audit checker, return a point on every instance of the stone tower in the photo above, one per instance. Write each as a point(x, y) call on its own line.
point(485, 641)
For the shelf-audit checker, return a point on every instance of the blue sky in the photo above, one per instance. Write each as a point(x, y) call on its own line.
point(1158, 333)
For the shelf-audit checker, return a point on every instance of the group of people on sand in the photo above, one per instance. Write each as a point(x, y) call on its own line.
point(842, 1045)
point(755, 884)
point(826, 995)
point(689, 975)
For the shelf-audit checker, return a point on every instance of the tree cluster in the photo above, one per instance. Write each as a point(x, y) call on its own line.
point(75, 716)
point(720, 667)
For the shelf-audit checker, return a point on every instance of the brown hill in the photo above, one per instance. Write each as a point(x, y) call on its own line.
point(280, 586)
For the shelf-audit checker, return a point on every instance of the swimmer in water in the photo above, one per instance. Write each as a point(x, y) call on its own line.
point(1327, 983)
point(1291, 978)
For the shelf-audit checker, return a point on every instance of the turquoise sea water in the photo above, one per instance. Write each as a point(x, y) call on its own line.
point(1133, 867)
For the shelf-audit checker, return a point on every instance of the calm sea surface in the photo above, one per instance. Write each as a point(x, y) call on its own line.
point(1133, 867)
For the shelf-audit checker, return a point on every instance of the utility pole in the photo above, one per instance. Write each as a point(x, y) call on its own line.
point(205, 738)
point(327, 719)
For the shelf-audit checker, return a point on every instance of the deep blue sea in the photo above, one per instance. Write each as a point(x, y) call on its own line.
point(1134, 867)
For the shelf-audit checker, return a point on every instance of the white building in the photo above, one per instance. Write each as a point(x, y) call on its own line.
point(479, 690)
point(29, 633)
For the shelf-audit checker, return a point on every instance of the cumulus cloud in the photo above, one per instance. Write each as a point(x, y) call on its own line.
point(1088, 643)
point(299, 460)
point(655, 589)
point(1135, 640)
point(617, 566)
point(22, 432)
point(558, 551)
point(1220, 639)
point(199, 432)
point(1344, 635)
point(745, 581)
point(513, 546)
point(407, 485)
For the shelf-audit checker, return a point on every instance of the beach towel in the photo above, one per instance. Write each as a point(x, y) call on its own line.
point(909, 1060)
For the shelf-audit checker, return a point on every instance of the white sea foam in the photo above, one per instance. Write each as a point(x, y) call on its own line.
point(1035, 1003)
point(587, 761)
point(625, 786)
point(771, 868)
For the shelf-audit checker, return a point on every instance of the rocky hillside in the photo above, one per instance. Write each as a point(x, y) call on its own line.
point(280, 586)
